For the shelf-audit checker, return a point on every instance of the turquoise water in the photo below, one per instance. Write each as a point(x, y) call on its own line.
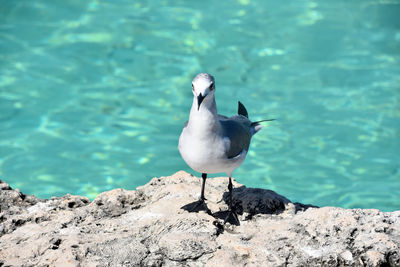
point(93, 94)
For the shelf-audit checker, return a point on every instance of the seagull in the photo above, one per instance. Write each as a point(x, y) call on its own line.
point(212, 143)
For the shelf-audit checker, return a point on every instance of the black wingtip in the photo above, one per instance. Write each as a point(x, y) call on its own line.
point(258, 122)
point(242, 110)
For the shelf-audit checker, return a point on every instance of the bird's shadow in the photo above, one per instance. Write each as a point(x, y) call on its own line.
point(197, 206)
point(250, 201)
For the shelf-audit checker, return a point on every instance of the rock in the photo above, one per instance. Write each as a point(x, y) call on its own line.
point(149, 227)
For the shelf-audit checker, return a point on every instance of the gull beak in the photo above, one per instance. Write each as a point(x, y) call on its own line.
point(200, 99)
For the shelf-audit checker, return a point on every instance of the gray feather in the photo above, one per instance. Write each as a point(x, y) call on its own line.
point(237, 129)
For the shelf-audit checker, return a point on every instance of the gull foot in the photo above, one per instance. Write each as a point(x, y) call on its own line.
point(232, 218)
point(228, 216)
point(196, 206)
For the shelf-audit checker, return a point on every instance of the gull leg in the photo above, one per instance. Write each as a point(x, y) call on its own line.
point(203, 185)
point(199, 204)
point(232, 216)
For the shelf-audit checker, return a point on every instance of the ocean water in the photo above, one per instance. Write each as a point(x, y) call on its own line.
point(94, 94)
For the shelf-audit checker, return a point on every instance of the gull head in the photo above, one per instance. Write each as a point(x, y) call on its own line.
point(203, 87)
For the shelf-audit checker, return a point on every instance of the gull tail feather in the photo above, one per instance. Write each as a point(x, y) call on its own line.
point(256, 126)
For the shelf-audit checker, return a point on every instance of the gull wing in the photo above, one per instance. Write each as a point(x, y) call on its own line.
point(237, 131)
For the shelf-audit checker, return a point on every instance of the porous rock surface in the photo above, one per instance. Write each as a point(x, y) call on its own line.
point(148, 227)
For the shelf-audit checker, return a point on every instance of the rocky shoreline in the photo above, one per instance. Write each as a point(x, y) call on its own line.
point(149, 227)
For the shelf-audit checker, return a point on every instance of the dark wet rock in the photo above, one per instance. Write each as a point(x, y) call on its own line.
point(149, 227)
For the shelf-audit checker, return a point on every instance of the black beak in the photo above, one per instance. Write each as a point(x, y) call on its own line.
point(200, 99)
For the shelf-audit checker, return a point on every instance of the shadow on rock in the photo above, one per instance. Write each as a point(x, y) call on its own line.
point(253, 201)
point(196, 206)
point(250, 202)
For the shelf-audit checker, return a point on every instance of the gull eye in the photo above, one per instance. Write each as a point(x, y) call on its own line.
point(212, 86)
point(192, 87)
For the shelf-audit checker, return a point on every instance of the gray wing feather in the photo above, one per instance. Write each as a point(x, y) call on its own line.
point(237, 129)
